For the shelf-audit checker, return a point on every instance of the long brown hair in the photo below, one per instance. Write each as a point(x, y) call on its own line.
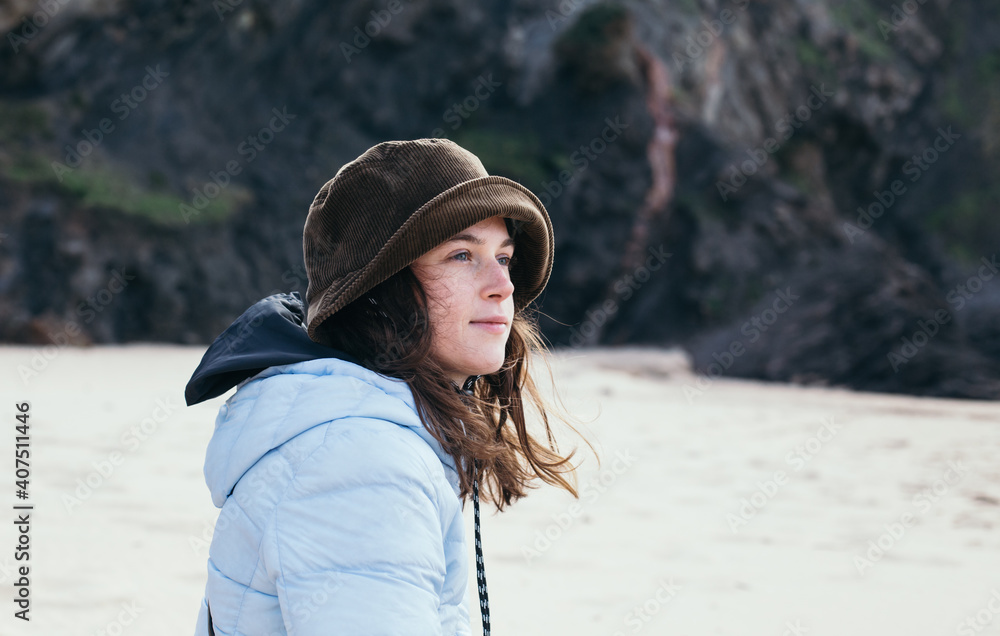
point(388, 330)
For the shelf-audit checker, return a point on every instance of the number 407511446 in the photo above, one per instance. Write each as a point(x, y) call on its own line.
point(22, 447)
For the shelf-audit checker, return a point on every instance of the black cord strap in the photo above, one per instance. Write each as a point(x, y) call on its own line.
point(484, 598)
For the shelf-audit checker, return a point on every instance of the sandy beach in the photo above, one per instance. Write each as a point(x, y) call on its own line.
point(726, 508)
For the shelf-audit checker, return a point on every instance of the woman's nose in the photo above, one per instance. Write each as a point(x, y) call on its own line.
point(497, 281)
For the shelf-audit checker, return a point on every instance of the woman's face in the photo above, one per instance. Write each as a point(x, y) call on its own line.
point(470, 298)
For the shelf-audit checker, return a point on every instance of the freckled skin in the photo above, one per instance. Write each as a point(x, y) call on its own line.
point(467, 282)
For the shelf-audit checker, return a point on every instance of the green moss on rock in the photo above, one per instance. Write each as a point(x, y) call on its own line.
point(515, 156)
point(102, 187)
point(21, 122)
point(861, 19)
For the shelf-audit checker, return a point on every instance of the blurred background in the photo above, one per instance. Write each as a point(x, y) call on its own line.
point(797, 191)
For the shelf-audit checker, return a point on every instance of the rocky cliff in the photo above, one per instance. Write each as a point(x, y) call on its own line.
point(795, 191)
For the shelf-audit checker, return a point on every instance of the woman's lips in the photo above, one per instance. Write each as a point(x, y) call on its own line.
point(490, 326)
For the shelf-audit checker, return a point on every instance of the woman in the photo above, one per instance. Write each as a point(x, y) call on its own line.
point(367, 415)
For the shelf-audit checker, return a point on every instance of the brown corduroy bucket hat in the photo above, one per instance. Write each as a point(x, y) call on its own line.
point(399, 200)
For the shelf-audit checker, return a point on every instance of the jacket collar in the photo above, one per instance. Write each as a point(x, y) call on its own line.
point(270, 333)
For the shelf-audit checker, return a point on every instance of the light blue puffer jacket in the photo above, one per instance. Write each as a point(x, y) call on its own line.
point(340, 512)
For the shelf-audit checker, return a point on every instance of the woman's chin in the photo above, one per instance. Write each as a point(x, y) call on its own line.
point(486, 367)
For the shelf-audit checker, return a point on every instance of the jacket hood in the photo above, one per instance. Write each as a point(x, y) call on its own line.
point(270, 333)
point(287, 384)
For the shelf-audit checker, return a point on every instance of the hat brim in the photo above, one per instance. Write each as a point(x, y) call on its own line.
point(447, 214)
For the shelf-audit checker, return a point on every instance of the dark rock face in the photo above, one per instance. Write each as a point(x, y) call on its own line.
point(856, 323)
point(838, 152)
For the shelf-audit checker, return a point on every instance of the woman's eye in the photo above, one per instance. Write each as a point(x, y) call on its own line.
point(506, 261)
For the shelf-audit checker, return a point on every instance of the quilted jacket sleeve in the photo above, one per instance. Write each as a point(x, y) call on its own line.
point(356, 545)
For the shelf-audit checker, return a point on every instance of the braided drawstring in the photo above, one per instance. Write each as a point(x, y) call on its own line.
point(484, 598)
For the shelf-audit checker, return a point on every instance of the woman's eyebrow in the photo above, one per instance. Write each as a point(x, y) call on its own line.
point(471, 238)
